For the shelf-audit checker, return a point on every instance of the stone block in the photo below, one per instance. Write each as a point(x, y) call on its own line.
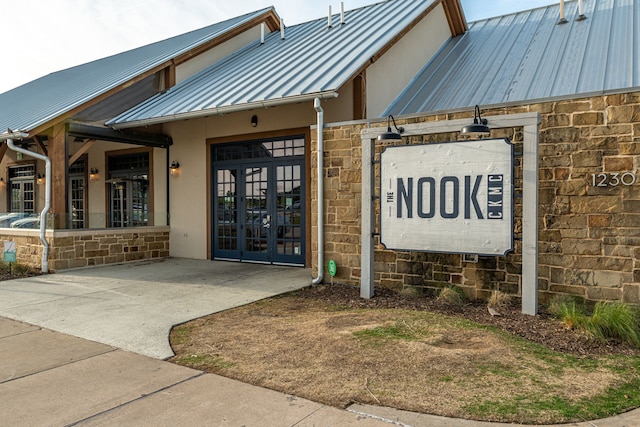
point(588, 119)
point(604, 294)
point(631, 293)
point(623, 114)
point(587, 159)
point(618, 163)
point(599, 220)
point(572, 106)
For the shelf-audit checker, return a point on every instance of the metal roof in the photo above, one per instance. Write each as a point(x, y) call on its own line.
point(312, 60)
point(527, 57)
point(35, 103)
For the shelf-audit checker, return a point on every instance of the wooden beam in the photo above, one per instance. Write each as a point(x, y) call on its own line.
point(59, 169)
point(81, 151)
point(40, 144)
point(3, 150)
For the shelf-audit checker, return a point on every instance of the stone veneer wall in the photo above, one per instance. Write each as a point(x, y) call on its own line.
point(589, 236)
point(82, 248)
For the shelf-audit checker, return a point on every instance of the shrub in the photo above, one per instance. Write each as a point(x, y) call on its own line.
point(451, 295)
point(569, 311)
point(612, 320)
point(499, 300)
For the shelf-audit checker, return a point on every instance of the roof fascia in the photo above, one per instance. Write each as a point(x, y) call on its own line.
point(108, 134)
point(455, 17)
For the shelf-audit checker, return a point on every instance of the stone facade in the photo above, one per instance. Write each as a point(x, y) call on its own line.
point(74, 249)
point(589, 207)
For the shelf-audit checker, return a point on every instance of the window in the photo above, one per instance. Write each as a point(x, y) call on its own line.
point(22, 184)
point(129, 190)
point(77, 194)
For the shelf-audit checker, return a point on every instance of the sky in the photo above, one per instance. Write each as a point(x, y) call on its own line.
point(43, 36)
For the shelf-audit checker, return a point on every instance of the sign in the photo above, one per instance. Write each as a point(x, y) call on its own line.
point(454, 197)
point(9, 251)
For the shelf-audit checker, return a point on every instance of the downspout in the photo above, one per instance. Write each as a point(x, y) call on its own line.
point(47, 198)
point(320, 113)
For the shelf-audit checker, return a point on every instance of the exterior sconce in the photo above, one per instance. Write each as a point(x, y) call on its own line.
point(40, 179)
point(390, 136)
point(254, 121)
point(173, 168)
point(2, 183)
point(479, 127)
point(93, 174)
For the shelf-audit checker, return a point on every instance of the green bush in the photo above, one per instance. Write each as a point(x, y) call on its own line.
point(612, 320)
point(608, 320)
point(569, 311)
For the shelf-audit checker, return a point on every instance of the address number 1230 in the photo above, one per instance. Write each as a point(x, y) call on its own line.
point(613, 179)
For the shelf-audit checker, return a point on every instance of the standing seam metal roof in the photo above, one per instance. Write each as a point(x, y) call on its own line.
point(527, 57)
point(35, 103)
point(312, 59)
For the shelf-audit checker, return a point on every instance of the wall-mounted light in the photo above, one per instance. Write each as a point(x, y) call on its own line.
point(2, 183)
point(254, 121)
point(479, 126)
point(93, 174)
point(389, 135)
point(174, 167)
point(40, 179)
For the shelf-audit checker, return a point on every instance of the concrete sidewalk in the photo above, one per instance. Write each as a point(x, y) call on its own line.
point(133, 306)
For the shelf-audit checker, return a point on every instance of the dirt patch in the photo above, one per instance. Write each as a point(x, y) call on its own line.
point(329, 345)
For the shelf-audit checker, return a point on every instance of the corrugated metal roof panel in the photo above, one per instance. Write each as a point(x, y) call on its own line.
point(312, 59)
point(527, 57)
point(33, 104)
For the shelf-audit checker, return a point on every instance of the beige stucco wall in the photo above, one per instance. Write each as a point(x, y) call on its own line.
point(386, 78)
point(202, 61)
point(189, 190)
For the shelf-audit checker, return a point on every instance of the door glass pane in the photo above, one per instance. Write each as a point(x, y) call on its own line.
point(77, 202)
point(139, 190)
point(289, 210)
point(257, 218)
point(119, 203)
point(227, 209)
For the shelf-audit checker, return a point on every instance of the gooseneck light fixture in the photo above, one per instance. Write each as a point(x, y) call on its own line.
point(389, 135)
point(479, 127)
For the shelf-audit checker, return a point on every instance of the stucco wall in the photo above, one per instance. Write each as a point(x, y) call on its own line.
point(589, 236)
point(386, 79)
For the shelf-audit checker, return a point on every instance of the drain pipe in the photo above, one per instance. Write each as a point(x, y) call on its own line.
point(320, 113)
point(47, 199)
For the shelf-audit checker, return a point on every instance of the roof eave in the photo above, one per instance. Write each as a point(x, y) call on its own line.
point(224, 110)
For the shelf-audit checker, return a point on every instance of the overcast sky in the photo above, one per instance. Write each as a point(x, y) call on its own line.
point(43, 36)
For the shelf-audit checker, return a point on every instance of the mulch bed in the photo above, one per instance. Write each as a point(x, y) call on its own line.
point(542, 329)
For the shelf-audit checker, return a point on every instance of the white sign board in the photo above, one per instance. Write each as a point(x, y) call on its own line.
point(454, 197)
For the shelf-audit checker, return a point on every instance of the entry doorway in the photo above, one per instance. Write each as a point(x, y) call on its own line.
point(258, 205)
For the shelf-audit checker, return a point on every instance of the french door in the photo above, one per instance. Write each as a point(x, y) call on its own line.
point(258, 212)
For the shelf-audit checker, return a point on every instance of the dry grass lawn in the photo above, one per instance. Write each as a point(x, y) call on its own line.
point(404, 358)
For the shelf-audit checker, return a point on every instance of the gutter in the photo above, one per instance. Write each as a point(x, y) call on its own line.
point(9, 137)
point(320, 114)
point(124, 124)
